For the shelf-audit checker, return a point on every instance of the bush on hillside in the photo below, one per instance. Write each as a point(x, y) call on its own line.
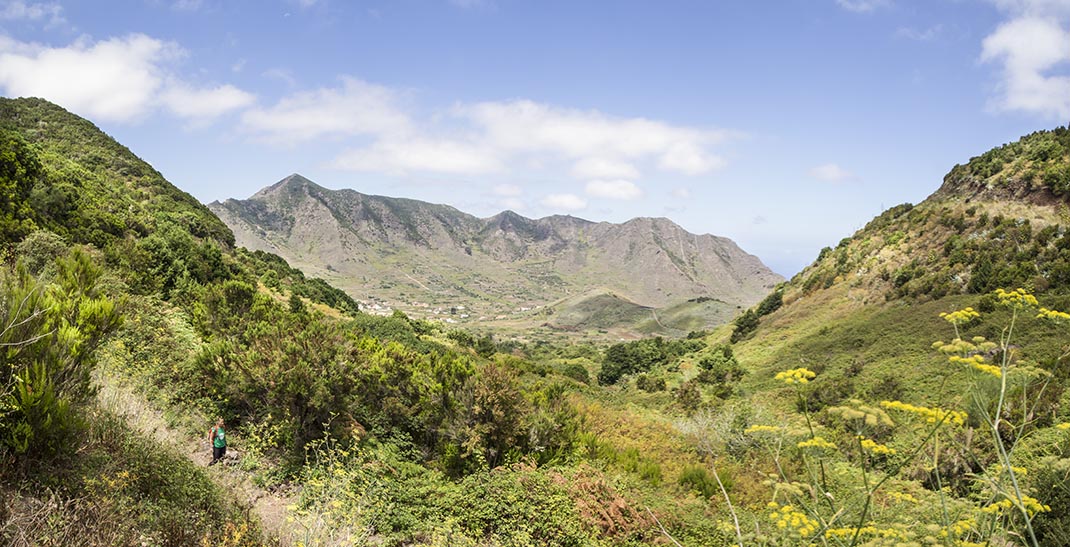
point(642, 355)
point(745, 325)
point(50, 331)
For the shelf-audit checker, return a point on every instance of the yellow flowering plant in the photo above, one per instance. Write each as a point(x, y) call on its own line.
point(1007, 378)
point(818, 510)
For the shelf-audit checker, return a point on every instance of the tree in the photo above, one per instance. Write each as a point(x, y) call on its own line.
point(745, 324)
point(772, 302)
point(19, 172)
point(631, 357)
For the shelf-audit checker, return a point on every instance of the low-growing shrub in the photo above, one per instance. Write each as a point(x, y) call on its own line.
point(577, 372)
point(650, 383)
point(698, 479)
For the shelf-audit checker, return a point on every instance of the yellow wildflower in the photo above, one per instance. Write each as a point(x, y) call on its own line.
point(869, 445)
point(903, 497)
point(963, 526)
point(795, 376)
point(962, 347)
point(931, 415)
point(977, 362)
point(858, 410)
point(870, 530)
point(798, 522)
point(1063, 426)
point(1031, 505)
point(817, 442)
point(960, 317)
point(763, 429)
point(1054, 315)
point(1018, 298)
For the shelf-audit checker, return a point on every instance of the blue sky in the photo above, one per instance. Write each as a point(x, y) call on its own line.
point(784, 125)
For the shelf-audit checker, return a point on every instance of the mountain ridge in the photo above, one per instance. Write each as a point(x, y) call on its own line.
point(414, 249)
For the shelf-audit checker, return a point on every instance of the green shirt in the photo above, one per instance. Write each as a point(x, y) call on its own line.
point(220, 438)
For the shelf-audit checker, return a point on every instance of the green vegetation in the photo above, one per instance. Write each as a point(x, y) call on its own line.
point(863, 472)
point(131, 277)
point(642, 355)
point(824, 415)
point(1039, 161)
point(70, 470)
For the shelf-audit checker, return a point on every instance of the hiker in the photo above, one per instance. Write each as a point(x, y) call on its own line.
point(217, 437)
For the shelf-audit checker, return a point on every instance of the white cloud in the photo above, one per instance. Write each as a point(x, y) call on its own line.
point(1033, 47)
point(399, 156)
point(507, 190)
point(17, 10)
point(481, 138)
point(471, 4)
point(355, 108)
point(204, 104)
point(568, 202)
point(590, 136)
point(1029, 47)
point(830, 172)
point(1040, 8)
point(681, 192)
point(613, 189)
point(486, 137)
point(690, 159)
point(115, 80)
point(598, 168)
point(863, 6)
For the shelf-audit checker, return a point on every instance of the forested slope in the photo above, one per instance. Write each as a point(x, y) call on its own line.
point(392, 431)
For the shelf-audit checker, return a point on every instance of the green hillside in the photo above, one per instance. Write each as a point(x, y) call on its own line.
point(874, 319)
point(395, 430)
point(907, 388)
point(599, 309)
point(89, 187)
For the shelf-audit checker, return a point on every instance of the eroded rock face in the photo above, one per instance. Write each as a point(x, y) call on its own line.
point(374, 245)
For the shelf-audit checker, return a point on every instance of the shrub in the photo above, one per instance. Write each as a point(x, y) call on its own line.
point(50, 333)
point(463, 338)
point(650, 384)
point(577, 372)
point(698, 479)
point(745, 324)
point(631, 357)
point(688, 397)
point(772, 302)
point(642, 355)
point(40, 249)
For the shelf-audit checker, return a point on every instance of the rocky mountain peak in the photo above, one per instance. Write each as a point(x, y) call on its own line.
point(383, 248)
point(292, 184)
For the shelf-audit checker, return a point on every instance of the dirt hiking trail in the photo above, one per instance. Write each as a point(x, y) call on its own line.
point(270, 508)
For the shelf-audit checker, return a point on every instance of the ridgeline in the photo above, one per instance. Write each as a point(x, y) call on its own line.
point(908, 387)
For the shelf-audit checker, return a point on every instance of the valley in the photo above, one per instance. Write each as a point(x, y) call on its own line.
point(504, 272)
point(907, 387)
